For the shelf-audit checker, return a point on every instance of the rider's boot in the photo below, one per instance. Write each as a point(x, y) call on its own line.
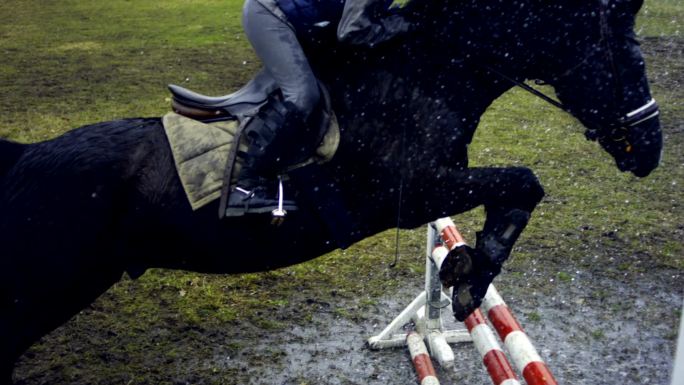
point(272, 137)
point(483, 263)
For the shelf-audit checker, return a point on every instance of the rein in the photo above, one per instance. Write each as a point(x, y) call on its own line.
point(530, 89)
point(617, 132)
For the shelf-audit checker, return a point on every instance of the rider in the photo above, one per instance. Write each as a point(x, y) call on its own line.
point(276, 29)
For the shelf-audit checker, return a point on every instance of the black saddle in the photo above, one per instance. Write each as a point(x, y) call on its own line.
point(232, 106)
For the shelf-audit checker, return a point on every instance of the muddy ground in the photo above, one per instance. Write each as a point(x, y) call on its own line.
point(611, 318)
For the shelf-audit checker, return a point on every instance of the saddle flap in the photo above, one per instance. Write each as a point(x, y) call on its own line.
point(200, 152)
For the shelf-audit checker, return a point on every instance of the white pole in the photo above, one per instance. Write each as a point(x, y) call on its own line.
point(678, 370)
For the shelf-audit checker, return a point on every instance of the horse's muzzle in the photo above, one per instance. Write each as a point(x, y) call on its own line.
point(645, 148)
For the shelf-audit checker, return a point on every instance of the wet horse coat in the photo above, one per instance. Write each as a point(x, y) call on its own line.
point(78, 210)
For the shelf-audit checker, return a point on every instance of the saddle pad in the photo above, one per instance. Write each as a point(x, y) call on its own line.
point(200, 153)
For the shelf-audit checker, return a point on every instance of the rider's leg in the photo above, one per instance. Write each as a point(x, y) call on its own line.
point(271, 134)
point(276, 44)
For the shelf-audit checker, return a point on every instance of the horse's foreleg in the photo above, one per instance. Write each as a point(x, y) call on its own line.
point(508, 194)
point(500, 190)
point(508, 212)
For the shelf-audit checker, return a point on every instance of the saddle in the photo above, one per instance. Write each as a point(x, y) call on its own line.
point(237, 105)
point(241, 107)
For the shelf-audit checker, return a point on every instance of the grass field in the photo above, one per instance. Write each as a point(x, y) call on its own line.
point(68, 63)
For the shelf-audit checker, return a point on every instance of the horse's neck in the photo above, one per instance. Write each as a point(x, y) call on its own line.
point(518, 36)
point(411, 97)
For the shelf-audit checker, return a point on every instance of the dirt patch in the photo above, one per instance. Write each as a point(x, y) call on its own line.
point(599, 324)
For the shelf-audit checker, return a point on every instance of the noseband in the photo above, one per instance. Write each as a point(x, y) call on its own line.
point(641, 114)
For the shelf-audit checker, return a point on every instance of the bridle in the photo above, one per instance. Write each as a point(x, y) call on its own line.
point(617, 130)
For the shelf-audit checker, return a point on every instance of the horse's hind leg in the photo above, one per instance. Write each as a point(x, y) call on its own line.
point(509, 196)
point(55, 260)
point(46, 298)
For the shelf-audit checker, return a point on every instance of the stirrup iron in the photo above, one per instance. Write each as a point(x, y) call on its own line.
point(279, 213)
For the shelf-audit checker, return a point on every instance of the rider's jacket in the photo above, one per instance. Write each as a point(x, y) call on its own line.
point(365, 22)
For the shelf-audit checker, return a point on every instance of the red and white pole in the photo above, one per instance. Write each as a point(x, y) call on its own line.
point(523, 353)
point(493, 357)
point(446, 228)
point(421, 360)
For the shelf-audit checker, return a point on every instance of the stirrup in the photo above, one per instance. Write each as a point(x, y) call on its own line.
point(279, 213)
point(255, 201)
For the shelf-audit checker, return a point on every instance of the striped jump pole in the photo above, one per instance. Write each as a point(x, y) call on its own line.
point(421, 360)
point(446, 228)
point(425, 311)
point(493, 357)
point(523, 353)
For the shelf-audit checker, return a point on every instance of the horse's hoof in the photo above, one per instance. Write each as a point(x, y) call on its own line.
point(468, 296)
point(462, 302)
point(457, 266)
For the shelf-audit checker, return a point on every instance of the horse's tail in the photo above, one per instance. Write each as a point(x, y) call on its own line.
point(9, 154)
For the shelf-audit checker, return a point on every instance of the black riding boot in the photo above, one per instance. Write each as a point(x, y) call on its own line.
point(274, 136)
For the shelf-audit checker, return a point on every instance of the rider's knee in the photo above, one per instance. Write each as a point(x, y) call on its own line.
point(307, 99)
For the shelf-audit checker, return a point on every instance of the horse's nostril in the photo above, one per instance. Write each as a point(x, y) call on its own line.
point(626, 164)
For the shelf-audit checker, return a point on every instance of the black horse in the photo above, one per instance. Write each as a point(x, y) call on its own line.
point(78, 210)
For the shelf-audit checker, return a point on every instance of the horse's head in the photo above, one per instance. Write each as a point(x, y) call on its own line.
point(602, 81)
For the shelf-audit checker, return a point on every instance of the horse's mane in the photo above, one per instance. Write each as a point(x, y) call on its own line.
point(511, 33)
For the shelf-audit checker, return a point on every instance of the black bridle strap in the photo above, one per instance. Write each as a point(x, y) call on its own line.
point(592, 127)
point(530, 89)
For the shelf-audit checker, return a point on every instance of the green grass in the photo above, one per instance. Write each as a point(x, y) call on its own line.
point(661, 18)
point(67, 63)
